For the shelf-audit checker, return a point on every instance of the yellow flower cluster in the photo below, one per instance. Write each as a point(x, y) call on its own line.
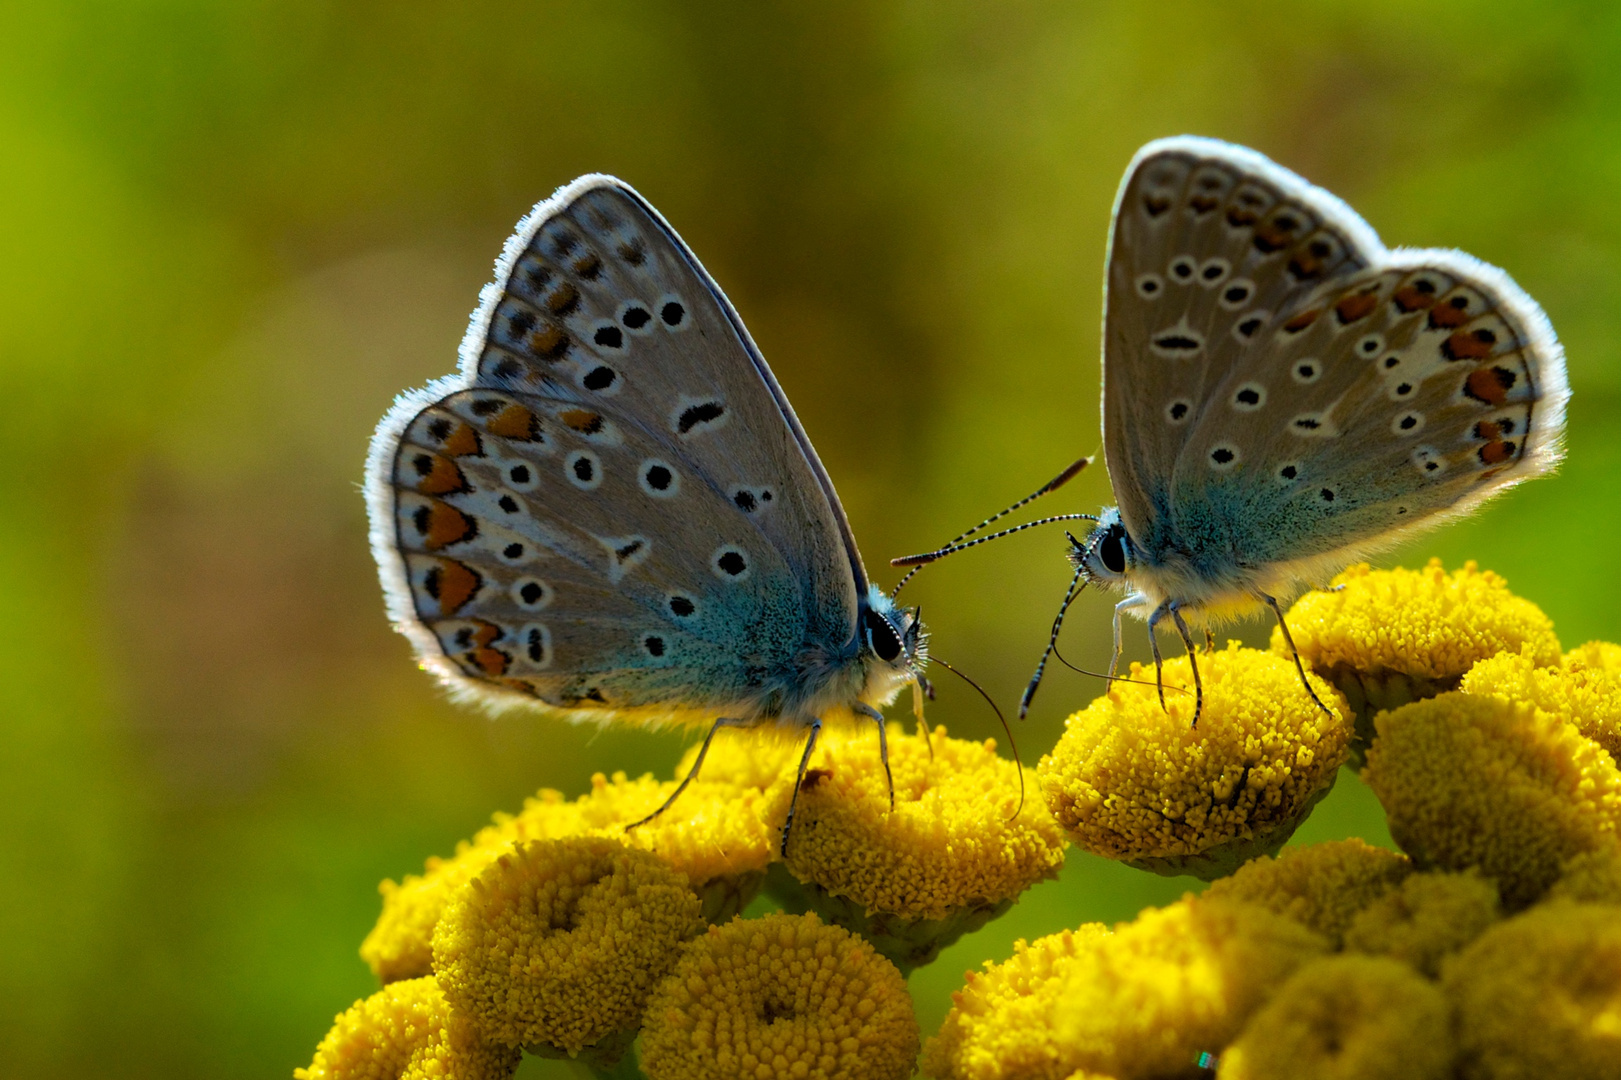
point(784, 996)
point(1133, 781)
point(722, 840)
point(1361, 1017)
point(407, 1031)
point(559, 942)
point(1322, 887)
point(1142, 1001)
point(953, 853)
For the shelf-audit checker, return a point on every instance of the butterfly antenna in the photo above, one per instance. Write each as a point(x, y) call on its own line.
point(1076, 585)
point(924, 558)
point(1013, 746)
point(1045, 489)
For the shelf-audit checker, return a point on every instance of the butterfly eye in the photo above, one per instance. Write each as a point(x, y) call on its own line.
point(881, 636)
point(1112, 551)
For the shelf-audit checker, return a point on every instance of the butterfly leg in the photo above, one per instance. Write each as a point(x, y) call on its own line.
point(1153, 644)
point(1135, 600)
point(1193, 662)
point(883, 744)
point(917, 711)
point(1289, 640)
point(1209, 641)
point(799, 780)
point(692, 773)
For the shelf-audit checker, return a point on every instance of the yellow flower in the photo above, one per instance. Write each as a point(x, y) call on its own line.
point(784, 996)
point(998, 1027)
point(1322, 886)
point(1134, 782)
point(1471, 780)
point(1143, 1001)
point(1146, 1000)
point(1427, 917)
point(943, 862)
point(1584, 690)
point(721, 833)
point(406, 1031)
point(1539, 995)
point(400, 946)
point(1346, 1018)
point(1593, 877)
point(559, 942)
point(1387, 637)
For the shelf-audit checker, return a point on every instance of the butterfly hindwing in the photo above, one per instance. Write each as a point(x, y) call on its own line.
point(612, 506)
point(1278, 386)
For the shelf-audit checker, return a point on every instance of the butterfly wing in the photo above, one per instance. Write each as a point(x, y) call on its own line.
point(1280, 388)
point(612, 507)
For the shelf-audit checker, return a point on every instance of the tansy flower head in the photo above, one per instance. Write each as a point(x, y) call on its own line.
point(1539, 995)
point(999, 1024)
point(1387, 637)
point(1146, 1000)
point(1346, 1018)
point(400, 946)
point(785, 996)
point(1582, 690)
point(1322, 886)
point(721, 834)
point(406, 1031)
point(1137, 783)
point(1470, 780)
point(1592, 876)
point(1427, 917)
point(559, 942)
point(950, 856)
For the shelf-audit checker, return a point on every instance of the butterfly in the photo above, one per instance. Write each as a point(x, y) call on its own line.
point(611, 513)
point(1282, 394)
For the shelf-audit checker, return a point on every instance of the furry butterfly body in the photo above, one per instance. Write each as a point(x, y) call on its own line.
point(611, 512)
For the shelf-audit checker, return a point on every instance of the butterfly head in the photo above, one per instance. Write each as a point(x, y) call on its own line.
point(891, 636)
point(1106, 557)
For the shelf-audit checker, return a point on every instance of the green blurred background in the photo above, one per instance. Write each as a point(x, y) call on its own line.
point(231, 232)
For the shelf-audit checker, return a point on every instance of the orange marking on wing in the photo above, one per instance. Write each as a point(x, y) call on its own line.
point(515, 422)
point(492, 662)
point(1411, 299)
point(441, 525)
point(563, 299)
point(582, 420)
point(1156, 205)
point(443, 476)
point(484, 632)
point(451, 584)
point(1202, 204)
point(1446, 316)
point(520, 686)
point(1356, 307)
point(462, 442)
point(1469, 345)
point(1303, 320)
point(550, 342)
point(1269, 238)
point(1489, 384)
point(1488, 429)
point(1496, 452)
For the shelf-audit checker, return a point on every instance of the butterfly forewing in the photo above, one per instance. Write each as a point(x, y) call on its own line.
point(1278, 386)
point(612, 508)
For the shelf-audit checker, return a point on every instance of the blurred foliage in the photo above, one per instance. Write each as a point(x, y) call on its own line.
point(233, 231)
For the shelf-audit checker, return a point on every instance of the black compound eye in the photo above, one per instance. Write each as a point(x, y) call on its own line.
point(1113, 551)
point(881, 636)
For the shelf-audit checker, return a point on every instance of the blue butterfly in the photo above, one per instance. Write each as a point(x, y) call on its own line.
point(1282, 395)
point(611, 512)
